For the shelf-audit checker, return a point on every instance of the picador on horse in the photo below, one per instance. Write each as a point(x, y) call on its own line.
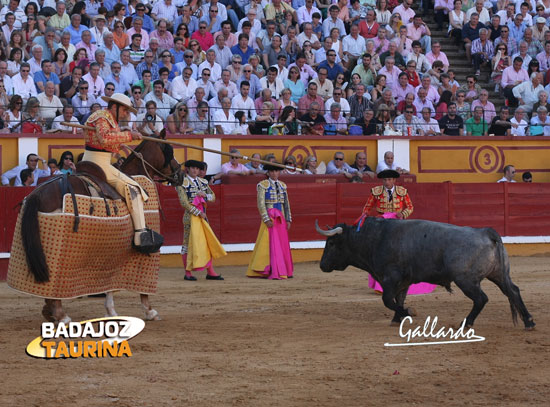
point(98, 230)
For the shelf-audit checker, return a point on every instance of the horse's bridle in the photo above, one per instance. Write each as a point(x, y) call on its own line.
point(172, 178)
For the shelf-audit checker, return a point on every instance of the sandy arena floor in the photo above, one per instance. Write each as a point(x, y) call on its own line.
point(316, 340)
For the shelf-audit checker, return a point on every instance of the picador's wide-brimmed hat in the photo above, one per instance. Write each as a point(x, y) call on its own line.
point(194, 164)
point(120, 99)
point(269, 167)
point(388, 174)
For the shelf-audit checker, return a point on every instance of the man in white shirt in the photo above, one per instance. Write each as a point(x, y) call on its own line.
point(225, 82)
point(251, 17)
point(8, 85)
point(388, 163)
point(333, 22)
point(32, 164)
point(484, 17)
point(23, 83)
point(163, 101)
point(390, 72)
point(127, 69)
point(271, 82)
point(224, 120)
point(50, 104)
point(308, 35)
point(164, 9)
point(305, 12)
point(338, 97)
point(36, 61)
point(96, 84)
point(66, 116)
point(20, 17)
point(99, 30)
point(509, 174)
point(243, 102)
point(429, 125)
point(212, 65)
point(215, 104)
point(223, 53)
point(528, 92)
point(353, 46)
point(519, 126)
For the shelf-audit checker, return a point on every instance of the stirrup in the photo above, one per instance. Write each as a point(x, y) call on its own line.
point(150, 241)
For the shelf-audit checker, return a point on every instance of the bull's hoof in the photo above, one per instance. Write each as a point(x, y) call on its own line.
point(411, 311)
point(530, 325)
point(395, 323)
point(530, 328)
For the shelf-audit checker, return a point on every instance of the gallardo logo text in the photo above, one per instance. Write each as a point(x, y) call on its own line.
point(96, 338)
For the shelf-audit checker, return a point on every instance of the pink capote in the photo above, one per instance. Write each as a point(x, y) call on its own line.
point(280, 258)
point(414, 289)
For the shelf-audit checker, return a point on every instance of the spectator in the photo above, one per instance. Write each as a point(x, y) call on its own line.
point(270, 81)
point(264, 119)
point(149, 123)
point(361, 166)
point(27, 178)
point(339, 166)
point(290, 161)
point(32, 165)
point(527, 93)
point(489, 110)
point(387, 100)
point(254, 85)
point(310, 165)
point(76, 29)
point(164, 10)
point(266, 96)
point(243, 102)
point(470, 32)
point(481, 11)
point(336, 123)
point(65, 164)
point(60, 20)
point(288, 120)
point(24, 83)
point(82, 100)
point(233, 166)
point(481, 50)
point(540, 123)
point(451, 124)
point(46, 75)
point(358, 104)
point(104, 68)
point(295, 84)
point(430, 126)
point(408, 124)
point(311, 96)
point(254, 165)
point(199, 120)
point(87, 44)
point(224, 120)
point(148, 65)
point(519, 125)
point(526, 177)
point(315, 121)
point(242, 49)
point(476, 125)
point(163, 101)
point(353, 46)
point(184, 86)
point(500, 125)
point(509, 172)
point(66, 116)
point(471, 90)
point(422, 101)
point(50, 104)
point(517, 28)
point(388, 163)
point(403, 88)
point(390, 72)
point(419, 31)
point(127, 69)
point(365, 71)
point(369, 124)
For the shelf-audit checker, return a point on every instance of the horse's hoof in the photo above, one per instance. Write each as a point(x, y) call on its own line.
point(411, 311)
point(47, 314)
point(152, 315)
point(65, 320)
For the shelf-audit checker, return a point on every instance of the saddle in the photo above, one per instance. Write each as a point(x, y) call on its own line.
point(94, 173)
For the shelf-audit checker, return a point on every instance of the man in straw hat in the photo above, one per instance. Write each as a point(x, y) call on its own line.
point(271, 257)
point(100, 145)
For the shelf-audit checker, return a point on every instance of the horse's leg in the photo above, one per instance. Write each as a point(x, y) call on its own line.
point(58, 313)
point(110, 304)
point(47, 310)
point(150, 313)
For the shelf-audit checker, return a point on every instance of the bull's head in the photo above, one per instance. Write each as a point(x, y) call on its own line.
point(335, 254)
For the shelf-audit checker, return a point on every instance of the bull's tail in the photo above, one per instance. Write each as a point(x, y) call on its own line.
point(503, 279)
point(36, 259)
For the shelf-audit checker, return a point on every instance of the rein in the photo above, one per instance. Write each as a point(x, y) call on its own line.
point(171, 178)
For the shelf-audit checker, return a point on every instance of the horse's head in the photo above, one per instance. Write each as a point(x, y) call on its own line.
point(154, 160)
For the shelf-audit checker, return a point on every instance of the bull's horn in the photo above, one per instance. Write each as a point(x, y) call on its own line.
point(331, 232)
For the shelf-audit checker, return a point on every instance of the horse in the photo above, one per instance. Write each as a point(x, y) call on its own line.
point(151, 159)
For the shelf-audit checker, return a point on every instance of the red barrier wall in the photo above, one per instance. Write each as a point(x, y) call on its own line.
point(513, 209)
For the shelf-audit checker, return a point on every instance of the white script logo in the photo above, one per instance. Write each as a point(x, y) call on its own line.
point(430, 331)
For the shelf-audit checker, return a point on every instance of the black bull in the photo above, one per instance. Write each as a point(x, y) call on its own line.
point(399, 253)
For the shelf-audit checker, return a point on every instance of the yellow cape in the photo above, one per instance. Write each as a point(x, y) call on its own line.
point(260, 255)
point(203, 244)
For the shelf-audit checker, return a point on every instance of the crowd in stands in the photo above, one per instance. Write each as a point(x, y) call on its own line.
point(329, 67)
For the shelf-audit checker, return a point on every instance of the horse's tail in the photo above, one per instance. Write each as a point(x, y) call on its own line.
point(30, 233)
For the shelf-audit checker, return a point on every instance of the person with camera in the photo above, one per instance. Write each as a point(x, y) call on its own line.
point(149, 123)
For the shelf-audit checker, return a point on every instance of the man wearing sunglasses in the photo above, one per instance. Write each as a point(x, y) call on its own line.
point(148, 24)
point(340, 166)
point(31, 164)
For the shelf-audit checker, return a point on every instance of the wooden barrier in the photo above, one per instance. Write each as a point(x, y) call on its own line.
point(513, 209)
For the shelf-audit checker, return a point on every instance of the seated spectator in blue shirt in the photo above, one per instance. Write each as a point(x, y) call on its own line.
point(148, 24)
point(242, 49)
point(76, 30)
point(119, 82)
point(46, 75)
